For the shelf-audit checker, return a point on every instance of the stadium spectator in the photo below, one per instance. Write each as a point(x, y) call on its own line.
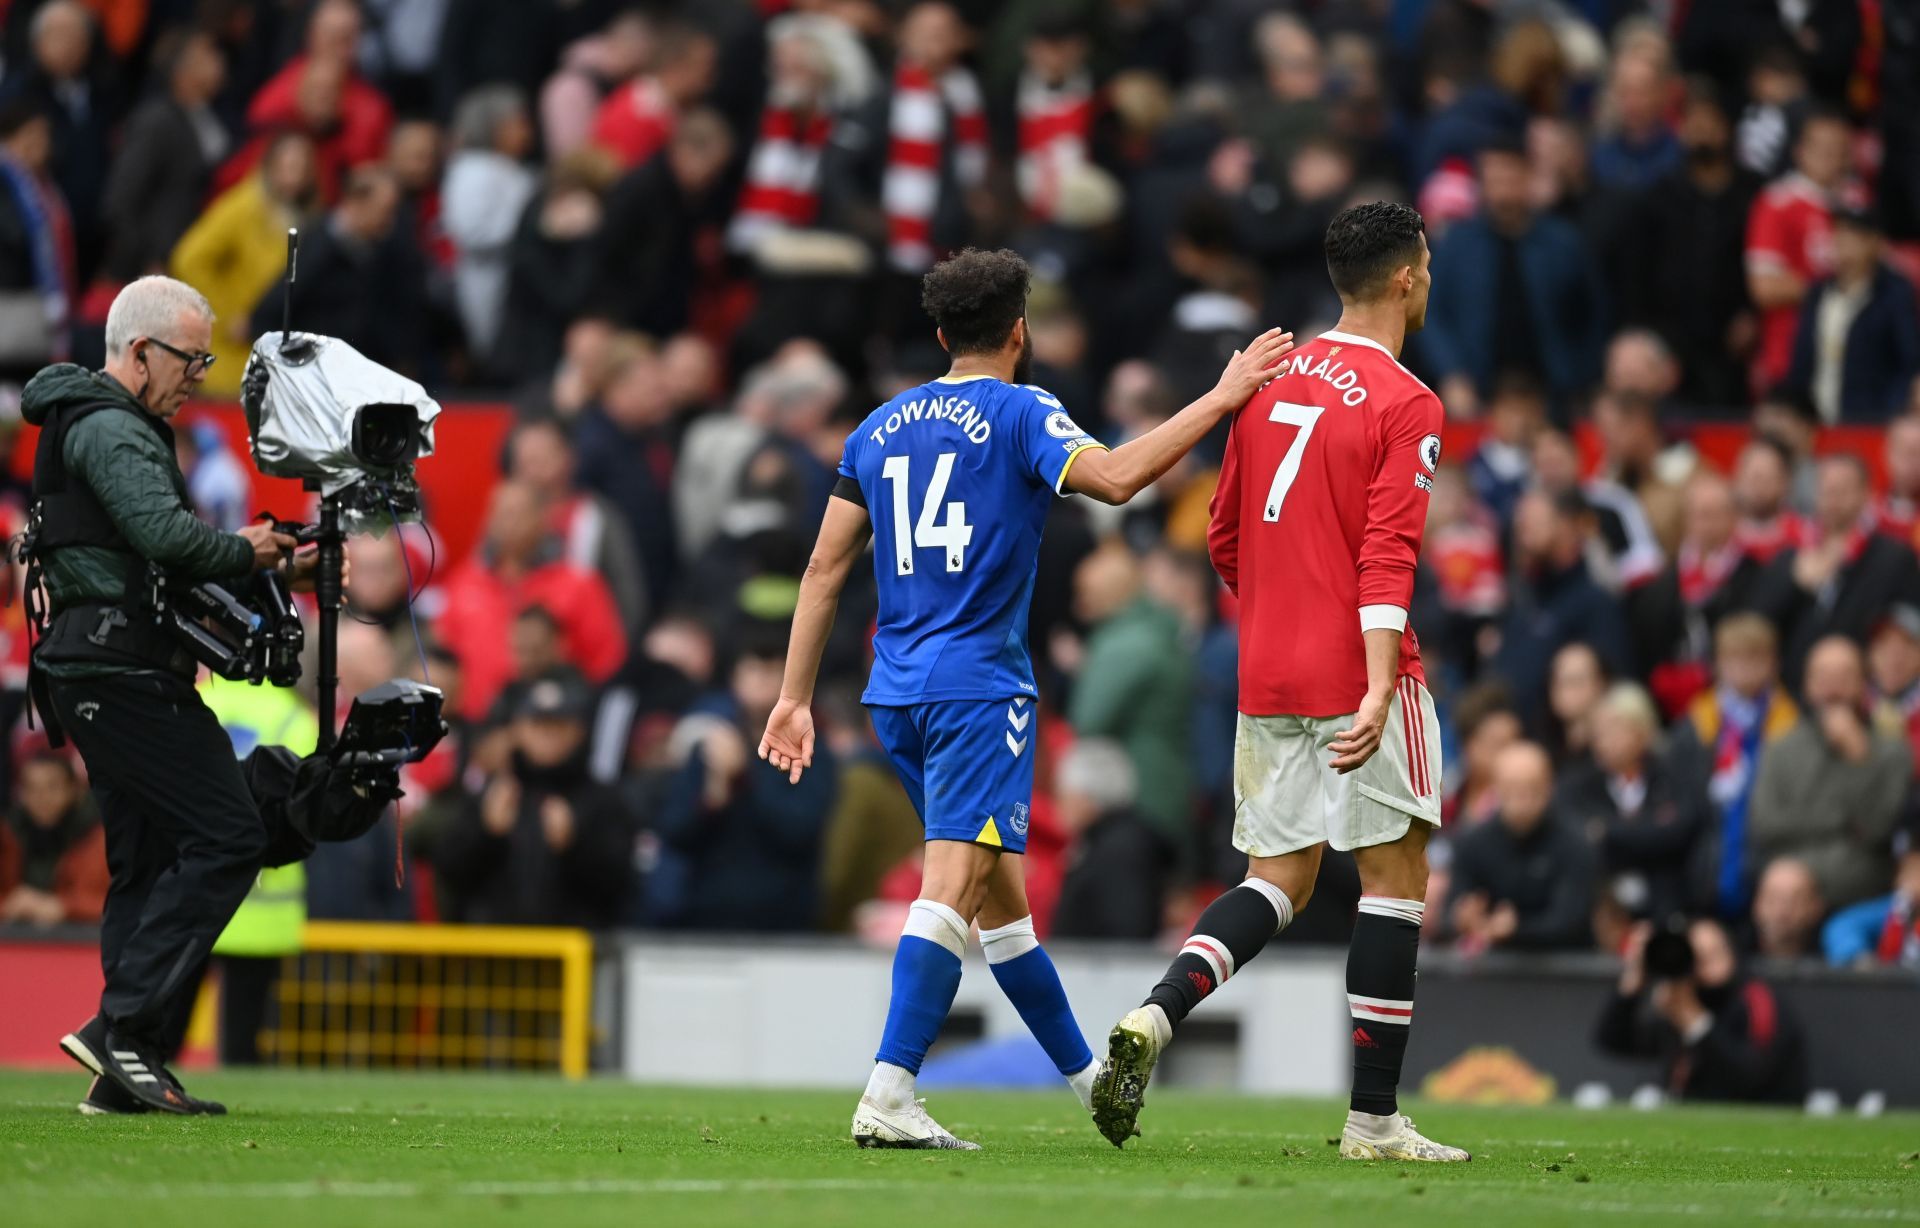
point(1118, 864)
point(1686, 277)
point(68, 80)
point(873, 826)
point(591, 532)
point(626, 455)
point(1483, 724)
point(1640, 149)
point(937, 151)
point(1720, 1033)
point(1640, 814)
point(414, 155)
point(1763, 477)
point(1893, 668)
point(37, 272)
point(1633, 458)
point(591, 69)
point(1135, 686)
point(237, 250)
point(53, 854)
point(321, 92)
point(1720, 741)
point(1524, 880)
point(1845, 577)
point(1899, 504)
point(1554, 601)
point(552, 266)
point(543, 843)
point(818, 72)
point(1787, 910)
point(1673, 616)
point(172, 143)
point(750, 841)
point(518, 564)
point(1831, 793)
point(1469, 584)
point(487, 188)
point(361, 277)
point(1857, 348)
point(1502, 466)
point(1577, 680)
point(1789, 419)
point(1881, 931)
point(1790, 237)
point(638, 116)
point(1513, 291)
point(650, 259)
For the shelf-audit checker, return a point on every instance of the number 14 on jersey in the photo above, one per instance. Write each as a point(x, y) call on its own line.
point(951, 535)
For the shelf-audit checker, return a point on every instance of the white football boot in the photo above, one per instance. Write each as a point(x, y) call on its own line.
point(1400, 1141)
point(1120, 1088)
point(910, 1127)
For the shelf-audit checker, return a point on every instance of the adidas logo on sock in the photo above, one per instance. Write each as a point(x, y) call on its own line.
point(1362, 1041)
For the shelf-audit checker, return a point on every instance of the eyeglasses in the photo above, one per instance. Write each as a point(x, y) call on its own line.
point(196, 364)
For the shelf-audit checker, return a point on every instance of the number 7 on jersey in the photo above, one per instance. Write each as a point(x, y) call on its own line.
point(1302, 416)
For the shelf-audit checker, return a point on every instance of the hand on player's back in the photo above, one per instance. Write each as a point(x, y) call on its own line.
point(788, 742)
point(1253, 366)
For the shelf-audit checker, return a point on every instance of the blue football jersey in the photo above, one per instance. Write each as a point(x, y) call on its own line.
point(957, 475)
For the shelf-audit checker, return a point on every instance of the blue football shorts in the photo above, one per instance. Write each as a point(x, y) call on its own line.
point(967, 764)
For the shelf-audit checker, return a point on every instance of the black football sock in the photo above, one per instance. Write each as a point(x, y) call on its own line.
point(1380, 972)
point(1230, 932)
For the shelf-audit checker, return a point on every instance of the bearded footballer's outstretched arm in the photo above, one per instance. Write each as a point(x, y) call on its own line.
point(1117, 476)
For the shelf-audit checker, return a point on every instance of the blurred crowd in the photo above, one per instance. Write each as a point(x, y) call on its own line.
point(684, 241)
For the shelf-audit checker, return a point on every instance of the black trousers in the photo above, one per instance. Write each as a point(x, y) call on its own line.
point(184, 839)
point(246, 991)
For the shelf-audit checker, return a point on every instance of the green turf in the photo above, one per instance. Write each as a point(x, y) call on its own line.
point(378, 1150)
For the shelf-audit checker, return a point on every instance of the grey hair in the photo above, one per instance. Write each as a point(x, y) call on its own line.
point(1631, 701)
point(482, 111)
point(151, 307)
point(1099, 770)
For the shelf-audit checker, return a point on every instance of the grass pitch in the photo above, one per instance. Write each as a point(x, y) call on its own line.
point(401, 1150)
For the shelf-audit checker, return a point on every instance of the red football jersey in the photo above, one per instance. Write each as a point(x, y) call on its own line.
point(1327, 475)
point(1790, 229)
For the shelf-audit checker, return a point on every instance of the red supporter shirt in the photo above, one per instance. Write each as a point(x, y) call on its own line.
point(1328, 472)
point(634, 122)
point(1790, 230)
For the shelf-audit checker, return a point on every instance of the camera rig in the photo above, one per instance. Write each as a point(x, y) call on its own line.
point(351, 430)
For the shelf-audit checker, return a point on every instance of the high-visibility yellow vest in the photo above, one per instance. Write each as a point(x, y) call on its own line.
point(269, 920)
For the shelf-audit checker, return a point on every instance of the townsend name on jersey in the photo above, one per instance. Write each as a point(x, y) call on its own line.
point(952, 408)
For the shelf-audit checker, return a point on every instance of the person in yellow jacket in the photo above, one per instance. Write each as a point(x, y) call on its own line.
point(266, 929)
point(238, 248)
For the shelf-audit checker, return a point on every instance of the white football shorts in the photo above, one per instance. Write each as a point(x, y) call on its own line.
point(1286, 797)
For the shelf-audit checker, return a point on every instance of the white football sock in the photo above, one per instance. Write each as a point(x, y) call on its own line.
point(1373, 1126)
point(1081, 1081)
point(1162, 1026)
point(890, 1086)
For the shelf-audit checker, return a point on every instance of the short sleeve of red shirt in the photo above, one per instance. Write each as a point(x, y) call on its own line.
point(1769, 245)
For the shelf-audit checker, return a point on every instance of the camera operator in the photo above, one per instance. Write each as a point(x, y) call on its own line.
point(185, 838)
point(1722, 1034)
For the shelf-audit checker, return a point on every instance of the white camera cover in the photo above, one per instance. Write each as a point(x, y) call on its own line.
point(305, 428)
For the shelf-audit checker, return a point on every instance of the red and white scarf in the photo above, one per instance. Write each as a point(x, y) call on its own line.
point(1702, 574)
point(925, 115)
point(783, 176)
point(1056, 123)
